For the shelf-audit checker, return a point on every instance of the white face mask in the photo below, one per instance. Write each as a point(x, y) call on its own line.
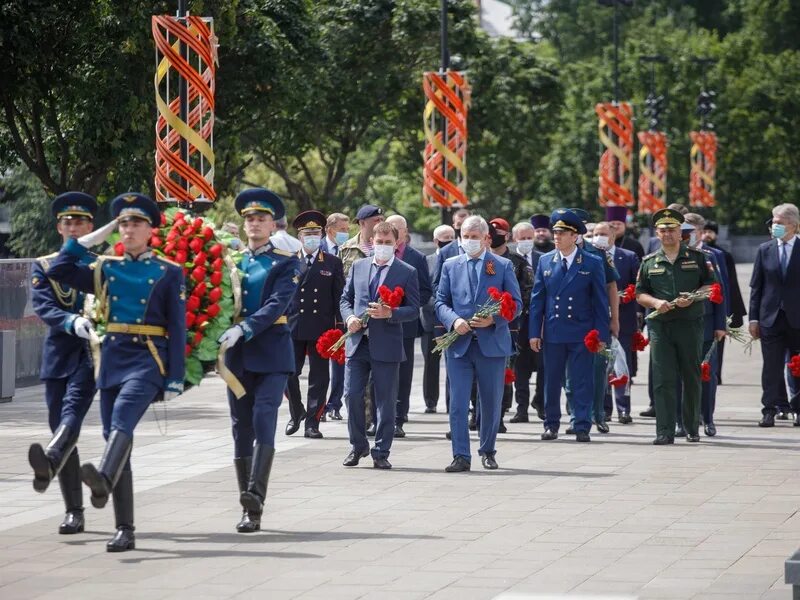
point(383, 252)
point(693, 239)
point(601, 241)
point(524, 246)
point(311, 242)
point(472, 247)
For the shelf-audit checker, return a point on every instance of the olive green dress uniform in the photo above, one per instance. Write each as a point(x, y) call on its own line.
point(676, 337)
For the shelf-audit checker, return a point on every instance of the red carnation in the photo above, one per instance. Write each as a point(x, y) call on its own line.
point(216, 278)
point(200, 258)
point(794, 365)
point(715, 295)
point(705, 371)
point(615, 381)
point(639, 342)
point(199, 290)
point(169, 249)
point(163, 219)
point(217, 264)
point(208, 233)
point(326, 341)
point(155, 242)
point(212, 310)
point(592, 341)
point(629, 295)
point(494, 294)
point(214, 295)
point(192, 304)
point(508, 376)
point(200, 320)
point(391, 298)
point(215, 251)
point(181, 244)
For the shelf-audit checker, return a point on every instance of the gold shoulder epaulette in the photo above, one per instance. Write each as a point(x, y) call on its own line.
point(651, 255)
point(166, 260)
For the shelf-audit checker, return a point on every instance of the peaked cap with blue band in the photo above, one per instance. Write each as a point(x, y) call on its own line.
point(133, 205)
point(582, 214)
point(260, 200)
point(74, 204)
point(566, 219)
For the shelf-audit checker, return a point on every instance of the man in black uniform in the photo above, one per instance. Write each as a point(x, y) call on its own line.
point(543, 237)
point(315, 309)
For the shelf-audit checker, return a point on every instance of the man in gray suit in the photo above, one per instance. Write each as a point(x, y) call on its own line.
point(442, 235)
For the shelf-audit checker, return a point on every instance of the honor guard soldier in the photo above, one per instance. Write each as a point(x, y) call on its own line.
point(142, 297)
point(676, 334)
point(260, 353)
point(66, 364)
point(315, 309)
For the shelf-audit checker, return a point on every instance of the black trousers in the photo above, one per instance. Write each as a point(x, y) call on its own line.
point(430, 369)
point(526, 364)
point(776, 342)
point(406, 377)
point(318, 379)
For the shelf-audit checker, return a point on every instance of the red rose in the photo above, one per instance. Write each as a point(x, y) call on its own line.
point(173, 234)
point(200, 290)
point(212, 310)
point(200, 320)
point(217, 264)
point(705, 371)
point(155, 242)
point(169, 249)
point(181, 244)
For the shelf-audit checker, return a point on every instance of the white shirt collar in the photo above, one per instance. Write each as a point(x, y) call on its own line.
point(387, 264)
point(570, 257)
point(790, 243)
point(304, 255)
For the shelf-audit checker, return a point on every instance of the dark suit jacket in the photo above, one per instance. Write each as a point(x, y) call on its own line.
point(736, 307)
point(386, 335)
point(631, 244)
point(415, 258)
point(315, 307)
point(427, 313)
point(770, 291)
point(627, 264)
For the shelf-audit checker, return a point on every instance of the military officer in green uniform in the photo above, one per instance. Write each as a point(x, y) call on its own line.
point(676, 333)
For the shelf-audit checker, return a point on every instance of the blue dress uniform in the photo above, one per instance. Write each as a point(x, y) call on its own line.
point(263, 359)
point(315, 309)
point(142, 353)
point(66, 372)
point(565, 306)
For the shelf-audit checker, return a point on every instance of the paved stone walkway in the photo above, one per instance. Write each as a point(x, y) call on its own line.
point(617, 518)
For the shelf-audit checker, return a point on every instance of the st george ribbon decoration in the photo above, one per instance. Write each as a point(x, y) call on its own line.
point(615, 128)
point(445, 126)
point(703, 157)
point(186, 59)
point(652, 171)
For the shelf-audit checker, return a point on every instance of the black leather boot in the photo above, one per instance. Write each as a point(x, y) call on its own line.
point(251, 521)
point(69, 478)
point(252, 499)
point(103, 479)
point(123, 514)
point(47, 462)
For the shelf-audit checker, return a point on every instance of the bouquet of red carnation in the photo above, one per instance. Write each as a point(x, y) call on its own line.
point(617, 380)
point(628, 295)
point(794, 365)
point(509, 377)
point(386, 297)
point(326, 341)
point(499, 303)
point(639, 342)
point(594, 344)
point(705, 366)
point(711, 292)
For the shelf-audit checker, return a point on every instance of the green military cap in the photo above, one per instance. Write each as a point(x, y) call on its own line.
point(666, 217)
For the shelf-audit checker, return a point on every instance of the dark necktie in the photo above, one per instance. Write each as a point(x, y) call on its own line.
point(375, 283)
point(565, 264)
point(784, 258)
point(336, 250)
point(473, 277)
point(309, 260)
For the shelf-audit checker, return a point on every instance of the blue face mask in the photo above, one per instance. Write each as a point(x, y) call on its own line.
point(341, 237)
point(778, 230)
point(311, 243)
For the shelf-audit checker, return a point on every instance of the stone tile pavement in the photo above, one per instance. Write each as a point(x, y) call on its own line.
point(617, 518)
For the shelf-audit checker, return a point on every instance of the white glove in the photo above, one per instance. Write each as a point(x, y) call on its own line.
point(98, 236)
point(170, 396)
point(82, 328)
point(172, 390)
point(231, 336)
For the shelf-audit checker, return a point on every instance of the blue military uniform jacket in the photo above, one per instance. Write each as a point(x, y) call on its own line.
point(269, 284)
point(565, 306)
point(454, 300)
point(58, 305)
point(315, 306)
point(146, 291)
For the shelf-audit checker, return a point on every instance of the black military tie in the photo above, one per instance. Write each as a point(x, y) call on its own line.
point(565, 264)
point(309, 260)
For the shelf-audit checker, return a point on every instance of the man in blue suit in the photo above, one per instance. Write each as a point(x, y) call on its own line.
point(775, 309)
point(627, 264)
point(411, 329)
point(259, 350)
point(569, 300)
point(485, 343)
point(143, 351)
point(375, 345)
point(66, 364)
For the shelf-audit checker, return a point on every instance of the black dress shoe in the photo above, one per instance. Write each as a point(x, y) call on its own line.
point(539, 413)
point(430, 410)
point(710, 430)
point(782, 416)
point(692, 437)
point(448, 435)
point(72, 523)
point(313, 433)
point(354, 458)
point(381, 463)
point(549, 434)
point(292, 426)
point(582, 436)
point(250, 522)
point(501, 428)
point(650, 412)
point(473, 425)
point(796, 419)
point(680, 431)
point(603, 427)
point(458, 465)
point(768, 420)
point(398, 431)
point(625, 418)
point(324, 417)
point(489, 462)
point(519, 418)
point(663, 440)
point(570, 430)
point(336, 415)
point(122, 541)
point(371, 430)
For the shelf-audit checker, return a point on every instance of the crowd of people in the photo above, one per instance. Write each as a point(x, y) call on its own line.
point(556, 302)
